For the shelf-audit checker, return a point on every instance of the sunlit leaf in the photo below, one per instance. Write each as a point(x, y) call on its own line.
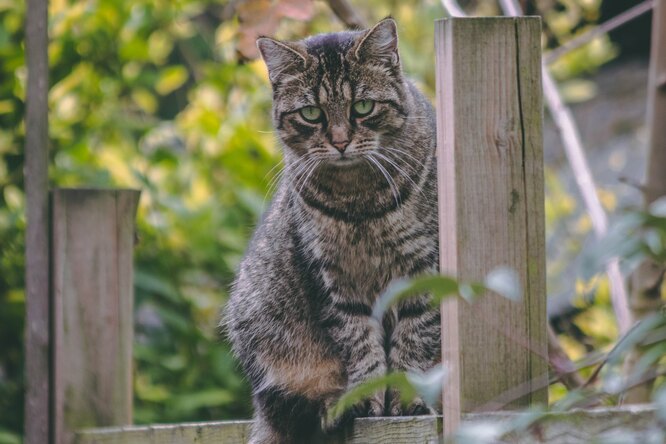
point(170, 79)
point(160, 45)
point(578, 90)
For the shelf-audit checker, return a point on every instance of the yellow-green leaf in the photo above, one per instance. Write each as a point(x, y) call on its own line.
point(171, 79)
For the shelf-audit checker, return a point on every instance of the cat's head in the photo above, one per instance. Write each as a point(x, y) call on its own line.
point(336, 96)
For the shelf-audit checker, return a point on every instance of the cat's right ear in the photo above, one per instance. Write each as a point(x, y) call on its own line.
point(281, 57)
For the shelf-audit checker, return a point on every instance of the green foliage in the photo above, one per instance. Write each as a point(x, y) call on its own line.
point(502, 280)
point(635, 236)
point(12, 223)
point(397, 380)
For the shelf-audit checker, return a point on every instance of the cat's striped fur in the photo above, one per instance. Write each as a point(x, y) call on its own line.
point(341, 226)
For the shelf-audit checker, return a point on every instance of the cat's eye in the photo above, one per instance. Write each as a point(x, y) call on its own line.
point(311, 113)
point(363, 107)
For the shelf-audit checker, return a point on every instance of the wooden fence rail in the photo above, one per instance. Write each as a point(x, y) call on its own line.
point(635, 424)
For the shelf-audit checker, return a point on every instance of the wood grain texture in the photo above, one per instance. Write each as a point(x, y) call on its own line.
point(656, 107)
point(402, 430)
point(37, 333)
point(638, 424)
point(228, 432)
point(629, 424)
point(93, 242)
point(491, 210)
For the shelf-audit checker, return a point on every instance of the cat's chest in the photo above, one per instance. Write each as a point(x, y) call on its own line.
point(359, 260)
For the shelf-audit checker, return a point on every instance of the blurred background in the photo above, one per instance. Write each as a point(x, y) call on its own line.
point(168, 96)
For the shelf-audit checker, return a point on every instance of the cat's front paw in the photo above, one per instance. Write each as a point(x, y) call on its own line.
point(416, 406)
point(373, 406)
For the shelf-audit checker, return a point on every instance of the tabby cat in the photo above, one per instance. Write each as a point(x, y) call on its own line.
point(354, 210)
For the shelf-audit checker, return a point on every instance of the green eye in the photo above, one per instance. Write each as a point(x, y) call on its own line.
point(363, 107)
point(311, 113)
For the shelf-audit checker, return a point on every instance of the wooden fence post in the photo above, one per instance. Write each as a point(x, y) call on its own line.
point(37, 341)
point(92, 245)
point(491, 210)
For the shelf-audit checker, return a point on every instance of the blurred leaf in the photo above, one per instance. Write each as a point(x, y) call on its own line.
point(649, 358)
point(429, 384)
point(9, 437)
point(170, 79)
point(636, 334)
point(578, 90)
point(620, 241)
point(206, 398)
point(369, 388)
point(438, 286)
point(660, 401)
point(505, 282)
point(153, 284)
point(658, 207)
point(481, 432)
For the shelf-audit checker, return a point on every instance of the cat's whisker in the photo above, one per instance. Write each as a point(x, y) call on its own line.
point(386, 175)
point(301, 168)
point(279, 175)
point(312, 169)
point(402, 173)
point(273, 184)
point(274, 180)
point(279, 164)
point(405, 153)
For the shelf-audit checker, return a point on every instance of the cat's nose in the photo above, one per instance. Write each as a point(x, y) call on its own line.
point(340, 146)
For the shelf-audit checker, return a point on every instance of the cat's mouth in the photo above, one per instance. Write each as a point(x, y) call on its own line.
point(346, 159)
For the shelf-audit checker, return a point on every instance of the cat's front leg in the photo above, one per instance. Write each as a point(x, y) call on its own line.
point(415, 345)
point(360, 340)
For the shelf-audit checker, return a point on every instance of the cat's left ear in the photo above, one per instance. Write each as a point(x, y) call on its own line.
point(380, 42)
point(282, 57)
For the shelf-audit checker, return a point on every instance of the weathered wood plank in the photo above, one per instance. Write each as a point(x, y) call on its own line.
point(629, 424)
point(491, 209)
point(638, 424)
point(93, 241)
point(407, 430)
point(37, 341)
point(228, 432)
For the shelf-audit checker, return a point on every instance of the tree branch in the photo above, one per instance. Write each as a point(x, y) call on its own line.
point(603, 28)
point(347, 14)
point(563, 367)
